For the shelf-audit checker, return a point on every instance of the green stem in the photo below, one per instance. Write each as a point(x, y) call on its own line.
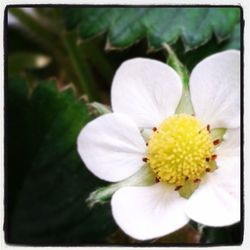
point(86, 82)
point(29, 21)
point(175, 63)
point(42, 33)
point(200, 228)
point(98, 59)
point(56, 43)
point(185, 104)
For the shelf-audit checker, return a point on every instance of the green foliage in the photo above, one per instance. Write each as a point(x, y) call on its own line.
point(231, 235)
point(125, 26)
point(47, 182)
point(234, 41)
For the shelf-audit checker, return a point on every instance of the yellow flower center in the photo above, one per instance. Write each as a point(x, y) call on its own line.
point(181, 149)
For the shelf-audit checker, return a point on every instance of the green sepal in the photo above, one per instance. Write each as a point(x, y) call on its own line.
point(188, 188)
point(185, 105)
point(218, 133)
point(144, 177)
point(99, 108)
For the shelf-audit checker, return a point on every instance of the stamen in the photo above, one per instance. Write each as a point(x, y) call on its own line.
point(213, 157)
point(146, 143)
point(145, 159)
point(154, 129)
point(177, 188)
point(216, 142)
point(180, 149)
point(197, 180)
point(208, 169)
point(157, 179)
point(208, 128)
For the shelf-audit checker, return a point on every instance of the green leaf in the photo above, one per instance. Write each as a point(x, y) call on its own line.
point(126, 26)
point(47, 183)
point(234, 41)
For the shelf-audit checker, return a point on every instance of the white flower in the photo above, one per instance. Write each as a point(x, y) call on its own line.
point(145, 94)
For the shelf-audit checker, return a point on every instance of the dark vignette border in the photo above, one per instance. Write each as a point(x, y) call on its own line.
point(5, 25)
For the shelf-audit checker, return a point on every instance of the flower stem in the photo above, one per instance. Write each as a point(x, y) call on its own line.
point(98, 59)
point(41, 33)
point(200, 228)
point(86, 82)
point(185, 104)
point(175, 63)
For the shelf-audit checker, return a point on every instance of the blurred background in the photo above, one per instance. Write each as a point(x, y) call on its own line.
point(58, 62)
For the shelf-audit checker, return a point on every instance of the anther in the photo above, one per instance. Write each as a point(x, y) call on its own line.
point(157, 179)
point(176, 158)
point(154, 129)
point(197, 180)
point(145, 159)
point(208, 128)
point(208, 169)
point(213, 157)
point(216, 142)
point(146, 143)
point(177, 188)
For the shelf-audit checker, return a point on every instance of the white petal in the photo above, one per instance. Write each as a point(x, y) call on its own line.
point(215, 89)
point(148, 212)
point(231, 144)
point(147, 90)
point(111, 147)
point(217, 201)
